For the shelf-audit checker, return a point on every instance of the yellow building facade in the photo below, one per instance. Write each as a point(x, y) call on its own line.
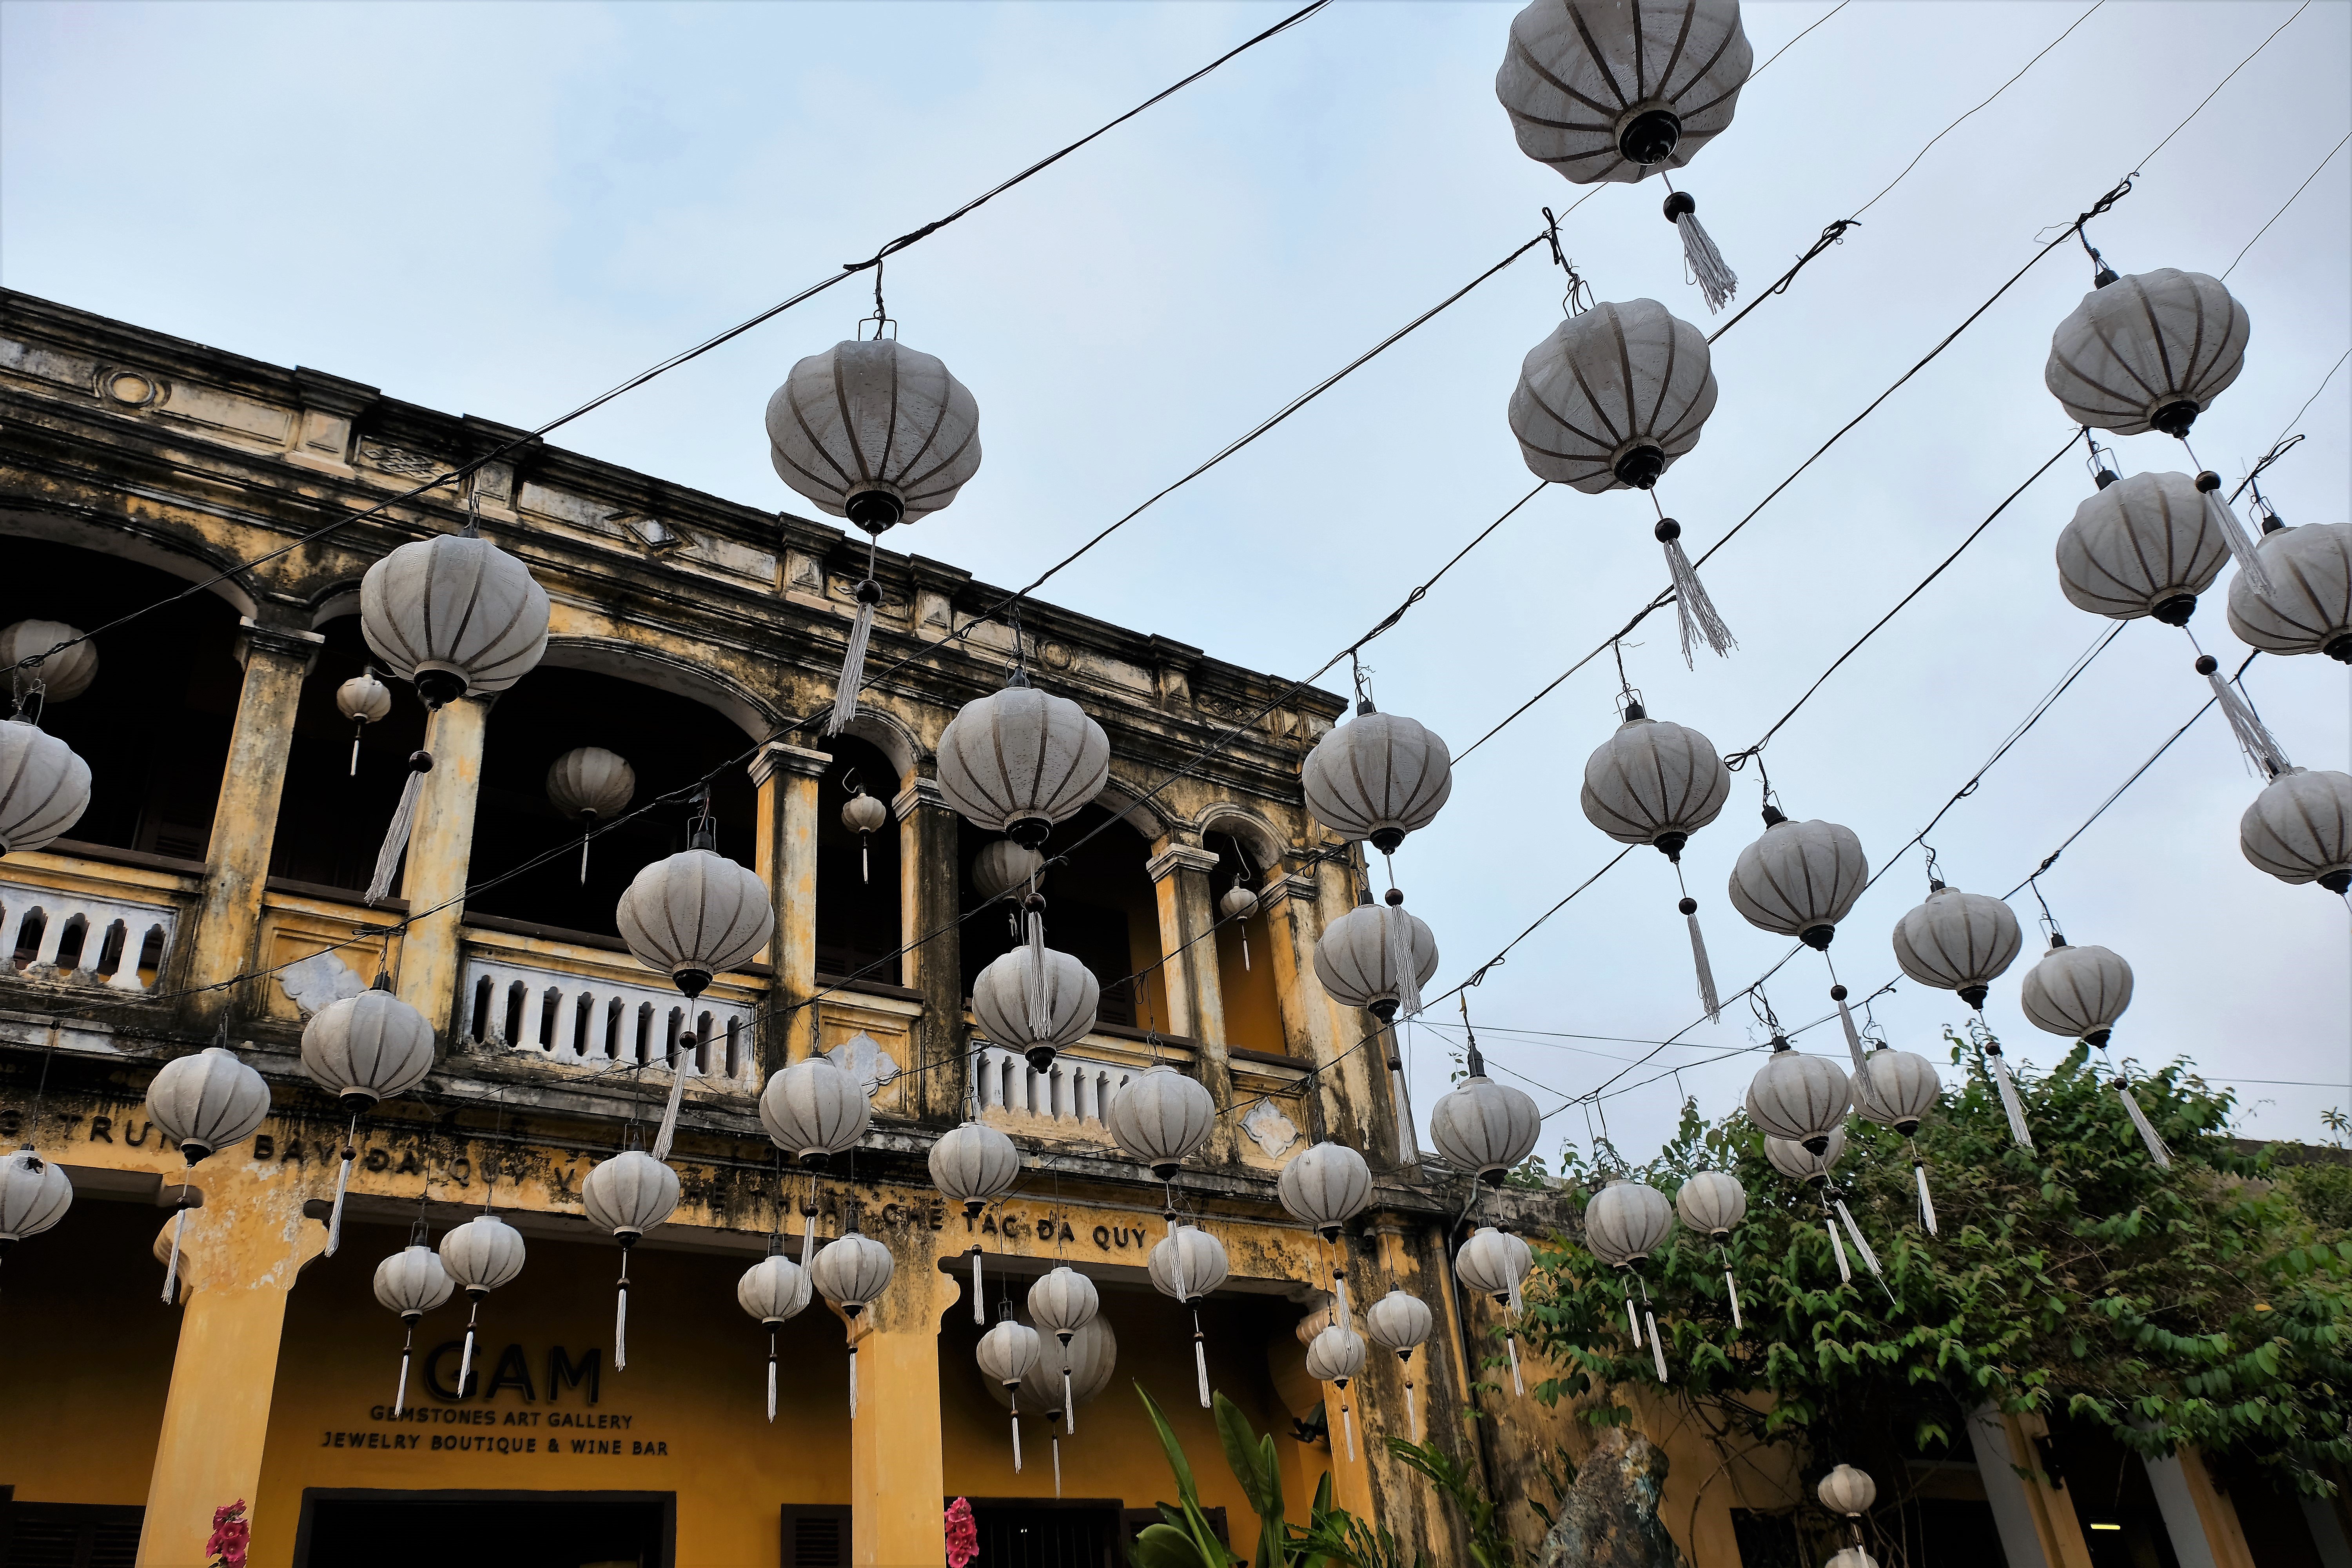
point(213, 892)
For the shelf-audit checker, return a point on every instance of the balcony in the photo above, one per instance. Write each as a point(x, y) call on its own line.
point(87, 917)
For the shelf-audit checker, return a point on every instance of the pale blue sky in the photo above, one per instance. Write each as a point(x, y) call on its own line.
point(499, 210)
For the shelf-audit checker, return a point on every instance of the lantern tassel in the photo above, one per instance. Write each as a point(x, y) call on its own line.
point(396, 836)
point(979, 1307)
point(1633, 1321)
point(668, 1132)
point(772, 1378)
point(1926, 1203)
point(1511, 1348)
point(466, 1360)
point(1714, 278)
point(1057, 1464)
point(2261, 748)
point(2147, 1135)
point(357, 730)
point(1853, 1048)
point(1706, 992)
point(852, 1380)
point(1069, 1405)
point(172, 1267)
point(1016, 1441)
point(584, 857)
point(2010, 1102)
point(1731, 1289)
point(865, 857)
point(1656, 1349)
point(1348, 1425)
point(852, 660)
point(1411, 1416)
point(1695, 612)
point(1041, 1011)
point(1862, 1246)
point(1845, 1269)
point(1397, 927)
point(1200, 1359)
point(400, 1389)
point(2224, 519)
point(342, 1181)
point(1245, 964)
point(1408, 1142)
point(808, 1234)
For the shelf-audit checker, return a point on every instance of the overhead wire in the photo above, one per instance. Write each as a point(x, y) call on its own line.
point(2284, 206)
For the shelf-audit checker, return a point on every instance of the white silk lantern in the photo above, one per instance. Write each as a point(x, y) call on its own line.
point(1657, 783)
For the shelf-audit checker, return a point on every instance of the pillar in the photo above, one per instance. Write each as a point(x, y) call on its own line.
point(238, 1260)
point(897, 1477)
point(787, 777)
point(440, 857)
point(931, 906)
point(245, 817)
point(1196, 1005)
point(2201, 1522)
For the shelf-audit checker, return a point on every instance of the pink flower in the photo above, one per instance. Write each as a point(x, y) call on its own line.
point(963, 1535)
point(231, 1536)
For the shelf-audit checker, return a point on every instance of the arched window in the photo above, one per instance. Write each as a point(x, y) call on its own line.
point(330, 819)
point(1100, 909)
point(1245, 950)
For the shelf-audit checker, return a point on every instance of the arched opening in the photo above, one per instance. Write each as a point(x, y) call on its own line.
point(154, 724)
point(330, 819)
point(1100, 909)
point(856, 884)
point(669, 741)
point(1244, 952)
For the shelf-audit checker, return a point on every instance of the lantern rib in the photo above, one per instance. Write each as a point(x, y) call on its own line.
point(1600, 58)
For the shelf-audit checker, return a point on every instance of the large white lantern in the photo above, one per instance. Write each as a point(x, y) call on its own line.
point(455, 615)
point(1498, 1263)
point(1402, 1323)
point(1798, 1098)
point(364, 1049)
point(1187, 1265)
point(813, 1110)
point(1356, 958)
point(2150, 352)
point(1799, 878)
point(2142, 546)
point(46, 787)
point(65, 675)
point(481, 1255)
point(1800, 1164)
point(1712, 1202)
point(2299, 829)
point(628, 1196)
point(2307, 607)
point(1379, 776)
point(873, 432)
point(1161, 1119)
point(2076, 992)
point(1896, 1088)
point(1612, 397)
point(1958, 941)
point(1655, 782)
point(852, 1271)
point(1335, 1356)
point(1625, 1222)
point(1037, 1001)
point(696, 913)
point(1019, 761)
point(974, 1164)
point(34, 1195)
point(1484, 1128)
point(1062, 1303)
point(411, 1282)
point(1058, 1382)
point(774, 1291)
point(1325, 1185)
point(206, 1102)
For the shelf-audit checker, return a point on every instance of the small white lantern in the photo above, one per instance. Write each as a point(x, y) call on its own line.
point(1656, 783)
point(1402, 1323)
point(2308, 607)
point(1161, 1119)
point(1005, 1355)
point(47, 791)
point(1019, 761)
point(1798, 1098)
point(411, 1282)
point(1799, 878)
point(2147, 353)
point(852, 1272)
point(1061, 1302)
point(2299, 829)
point(2076, 992)
point(628, 1196)
point(1378, 777)
point(774, 1291)
point(1625, 1222)
point(364, 1049)
point(2141, 546)
point(1498, 1263)
point(34, 1195)
point(1848, 1491)
point(1058, 1383)
point(865, 815)
point(875, 432)
point(1002, 866)
point(1800, 1163)
point(974, 1164)
point(813, 1110)
point(64, 676)
point(1325, 1185)
point(1336, 1355)
point(586, 784)
point(1485, 1128)
point(1958, 941)
point(208, 1100)
point(364, 699)
point(481, 1255)
point(1896, 1090)
point(696, 914)
point(1186, 1265)
point(1036, 1008)
point(455, 615)
point(1712, 1202)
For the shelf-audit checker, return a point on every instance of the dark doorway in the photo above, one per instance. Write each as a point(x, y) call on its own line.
point(484, 1530)
point(1029, 1533)
point(68, 1535)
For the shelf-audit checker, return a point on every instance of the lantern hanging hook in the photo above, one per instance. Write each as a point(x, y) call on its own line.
point(1761, 1007)
point(2100, 461)
point(1579, 296)
point(1019, 674)
point(472, 528)
point(2049, 922)
point(1360, 674)
point(881, 317)
point(1628, 699)
point(1478, 1062)
point(1934, 872)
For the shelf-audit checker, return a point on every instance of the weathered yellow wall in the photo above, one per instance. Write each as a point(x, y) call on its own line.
point(1253, 1006)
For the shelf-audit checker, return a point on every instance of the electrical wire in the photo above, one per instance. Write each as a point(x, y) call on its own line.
point(2284, 206)
point(849, 269)
point(2217, 86)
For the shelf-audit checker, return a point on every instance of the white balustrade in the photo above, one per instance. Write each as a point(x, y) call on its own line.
point(82, 938)
point(1073, 1089)
point(602, 1022)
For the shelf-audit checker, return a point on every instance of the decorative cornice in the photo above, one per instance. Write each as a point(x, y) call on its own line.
point(776, 757)
point(1180, 857)
point(252, 638)
point(1297, 884)
point(919, 792)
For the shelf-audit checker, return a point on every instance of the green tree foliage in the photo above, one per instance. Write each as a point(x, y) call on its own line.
point(2196, 1307)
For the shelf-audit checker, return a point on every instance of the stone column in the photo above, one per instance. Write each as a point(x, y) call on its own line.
point(245, 817)
point(440, 857)
point(238, 1260)
point(929, 903)
point(1196, 1004)
point(897, 1477)
point(2201, 1522)
point(787, 777)
point(2019, 1510)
